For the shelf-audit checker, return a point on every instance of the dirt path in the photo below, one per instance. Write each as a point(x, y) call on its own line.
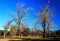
point(9, 39)
point(3, 39)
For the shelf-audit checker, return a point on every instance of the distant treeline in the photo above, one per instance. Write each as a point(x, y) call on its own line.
point(28, 32)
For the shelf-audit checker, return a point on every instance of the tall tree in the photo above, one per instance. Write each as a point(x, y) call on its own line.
point(45, 18)
point(19, 15)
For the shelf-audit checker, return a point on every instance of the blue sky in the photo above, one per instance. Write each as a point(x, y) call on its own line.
point(10, 5)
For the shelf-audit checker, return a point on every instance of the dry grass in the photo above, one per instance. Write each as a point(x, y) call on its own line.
point(27, 37)
point(21, 38)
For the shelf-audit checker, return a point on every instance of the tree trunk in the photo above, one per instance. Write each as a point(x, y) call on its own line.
point(4, 34)
point(48, 31)
point(44, 31)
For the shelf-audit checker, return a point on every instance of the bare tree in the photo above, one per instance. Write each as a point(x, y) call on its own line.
point(35, 28)
point(45, 19)
point(19, 15)
point(6, 27)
